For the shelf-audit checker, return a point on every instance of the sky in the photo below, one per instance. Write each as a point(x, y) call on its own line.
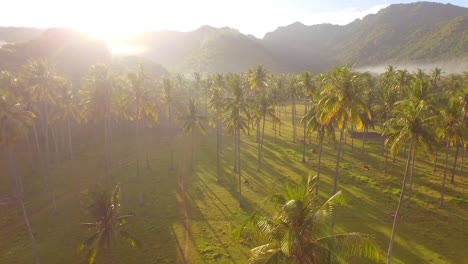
point(118, 18)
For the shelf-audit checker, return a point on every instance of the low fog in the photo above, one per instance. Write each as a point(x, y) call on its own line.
point(453, 66)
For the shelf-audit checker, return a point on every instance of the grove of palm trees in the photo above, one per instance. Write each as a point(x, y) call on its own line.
point(343, 166)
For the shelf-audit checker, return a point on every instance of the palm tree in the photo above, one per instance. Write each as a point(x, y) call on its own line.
point(410, 124)
point(142, 102)
point(297, 232)
point(257, 78)
point(216, 104)
point(192, 120)
point(97, 100)
point(41, 81)
point(307, 84)
point(13, 127)
point(293, 93)
point(453, 131)
point(342, 102)
point(104, 207)
point(168, 98)
point(236, 112)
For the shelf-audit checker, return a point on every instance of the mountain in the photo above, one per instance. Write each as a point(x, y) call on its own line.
point(72, 52)
point(419, 32)
point(18, 34)
point(206, 49)
point(401, 34)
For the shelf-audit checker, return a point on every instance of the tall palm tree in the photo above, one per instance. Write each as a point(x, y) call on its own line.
point(342, 102)
point(13, 127)
point(141, 100)
point(409, 124)
point(307, 83)
point(293, 94)
point(216, 102)
point(41, 81)
point(97, 102)
point(297, 231)
point(168, 98)
point(453, 132)
point(104, 206)
point(237, 114)
point(192, 121)
point(257, 78)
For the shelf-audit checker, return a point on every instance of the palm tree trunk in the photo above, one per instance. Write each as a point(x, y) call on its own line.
point(261, 146)
point(137, 157)
point(318, 163)
point(55, 141)
point(397, 213)
point(239, 167)
point(463, 159)
point(30, 152)
point(435, 161)
point(304, 143)
point(364, 140)
point(444, 178)
point(191, 151)
point(70, 145)
point(279, 123)
point(235, 149)
point(410, 190)
point(338, 155)
point(218, 146)
point(293, 113)
point(452, 180)
point(20, 200)
point(47, 157)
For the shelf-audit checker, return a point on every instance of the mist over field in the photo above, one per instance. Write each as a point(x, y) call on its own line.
point(448, 67)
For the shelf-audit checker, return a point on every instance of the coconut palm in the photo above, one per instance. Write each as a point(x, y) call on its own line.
point(14, 121)
point(453, 132)
point(192, 120)
point(293, 94)
point(257, 78)
point(409, 124)
point(298, 231)
point(307, 85)
point(104, 206)
point(141, 100)
point(40, 80)
point(342, 102)
point(168, 98)
point(216, 105)
point(237, 115)
point(97, 102)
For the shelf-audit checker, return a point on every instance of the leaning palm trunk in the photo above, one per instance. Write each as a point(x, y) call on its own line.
point(400, 202)
point(109, 252)
point(452, 180)
point(137, 157)
point(442, 192)
point(47, 157)
point(19, 198)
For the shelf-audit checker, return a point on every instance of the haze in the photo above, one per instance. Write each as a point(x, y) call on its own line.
point(118, 19)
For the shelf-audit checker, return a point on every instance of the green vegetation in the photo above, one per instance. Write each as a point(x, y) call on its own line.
point(195, 191)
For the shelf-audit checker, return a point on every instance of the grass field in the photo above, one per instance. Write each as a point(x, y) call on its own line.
point(189, 217)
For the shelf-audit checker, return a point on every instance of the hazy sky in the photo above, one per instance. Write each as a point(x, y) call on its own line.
point(116, 18)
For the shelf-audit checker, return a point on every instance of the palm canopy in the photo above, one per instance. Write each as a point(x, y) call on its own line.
point(341, 98)
point(298, 231)
point(104, 207)
point(410, 123)
point(236, 108)
point(14, 119)
point(192, 119)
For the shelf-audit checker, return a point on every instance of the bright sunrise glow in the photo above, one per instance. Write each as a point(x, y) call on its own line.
point(117, 19)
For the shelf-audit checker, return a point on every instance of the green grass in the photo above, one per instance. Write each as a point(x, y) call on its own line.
point(197, 224)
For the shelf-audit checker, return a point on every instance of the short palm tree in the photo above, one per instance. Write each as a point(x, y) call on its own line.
point(409, 124)
point(104, 207)
point(298, 231)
